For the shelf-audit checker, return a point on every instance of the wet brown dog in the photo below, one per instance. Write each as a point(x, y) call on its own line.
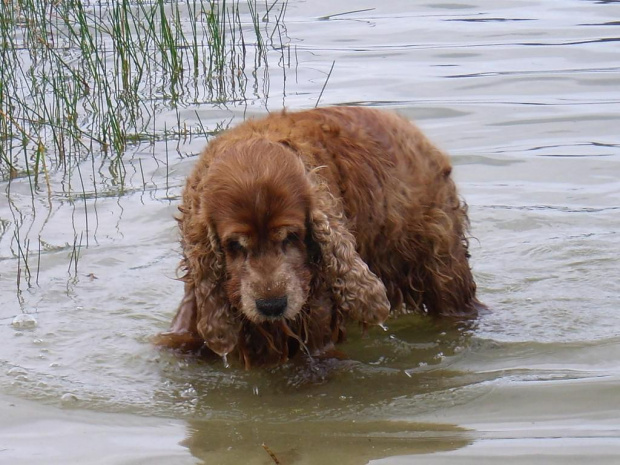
point(293, 224)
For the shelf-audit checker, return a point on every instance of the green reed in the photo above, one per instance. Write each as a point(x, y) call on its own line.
point(80, 77)
point(85, 80)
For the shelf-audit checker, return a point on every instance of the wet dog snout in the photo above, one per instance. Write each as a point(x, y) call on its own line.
point(273, 307)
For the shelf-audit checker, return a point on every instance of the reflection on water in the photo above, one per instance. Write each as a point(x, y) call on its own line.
point(333, 441)
point(527, 102)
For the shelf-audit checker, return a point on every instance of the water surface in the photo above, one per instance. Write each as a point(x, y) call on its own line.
point(526, 98)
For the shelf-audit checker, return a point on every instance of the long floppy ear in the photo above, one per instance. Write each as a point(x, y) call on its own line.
point(357, 290)
point(204, 316)
point(215, 322)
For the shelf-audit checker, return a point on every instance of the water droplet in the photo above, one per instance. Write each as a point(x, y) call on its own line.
point(17, 371)
point(68, 398)
point(189, 393)
point(383, 327)
point(24, 321)
point(225, 360)
point(255, 390)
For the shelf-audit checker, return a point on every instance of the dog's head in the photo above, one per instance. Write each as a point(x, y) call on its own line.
point(259, 200)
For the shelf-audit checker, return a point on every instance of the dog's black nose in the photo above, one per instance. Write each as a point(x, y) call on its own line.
point(273, 307)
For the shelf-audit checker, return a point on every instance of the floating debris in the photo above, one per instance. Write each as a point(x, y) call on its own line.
point(271, 454)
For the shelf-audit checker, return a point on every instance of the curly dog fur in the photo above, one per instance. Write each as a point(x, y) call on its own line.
point(293, 224)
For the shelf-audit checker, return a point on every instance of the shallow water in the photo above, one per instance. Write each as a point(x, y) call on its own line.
point(526, 98)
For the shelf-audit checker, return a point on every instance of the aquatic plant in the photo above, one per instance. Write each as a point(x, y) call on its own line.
point(81, 77)
point(84, 85)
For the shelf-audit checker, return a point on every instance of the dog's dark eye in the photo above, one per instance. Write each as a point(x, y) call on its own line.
point(291, 238)
point(234, 247)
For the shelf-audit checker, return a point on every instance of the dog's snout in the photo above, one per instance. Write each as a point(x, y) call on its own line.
point(272, 307)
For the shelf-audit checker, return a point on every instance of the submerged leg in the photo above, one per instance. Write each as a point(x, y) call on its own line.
point(183, 334)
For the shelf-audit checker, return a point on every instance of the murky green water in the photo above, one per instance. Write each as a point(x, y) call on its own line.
point(524, 95)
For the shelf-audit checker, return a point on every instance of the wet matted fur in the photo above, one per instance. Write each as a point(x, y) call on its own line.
point(293, 224)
